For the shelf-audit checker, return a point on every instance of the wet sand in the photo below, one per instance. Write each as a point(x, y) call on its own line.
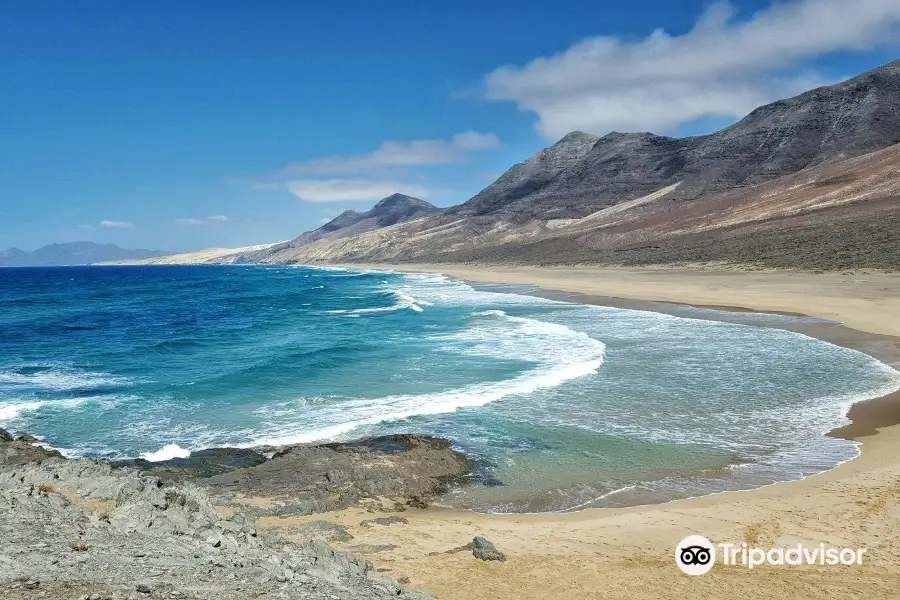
point(628, 552)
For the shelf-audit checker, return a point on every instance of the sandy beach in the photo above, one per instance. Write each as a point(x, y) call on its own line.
point(628, 553)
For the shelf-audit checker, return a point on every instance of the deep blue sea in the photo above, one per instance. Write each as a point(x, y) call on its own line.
point(563, 405)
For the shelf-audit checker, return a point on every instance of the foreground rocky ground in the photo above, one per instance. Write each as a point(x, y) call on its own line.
point(78, 529)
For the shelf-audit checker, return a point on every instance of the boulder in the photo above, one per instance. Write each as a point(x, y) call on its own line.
point(483, 549)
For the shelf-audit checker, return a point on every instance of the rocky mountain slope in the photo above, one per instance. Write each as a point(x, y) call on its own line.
point(811, 181)
point(855, 117)
point(841, 214)
point(526, 178)
point(72, 253)
point(396, 208)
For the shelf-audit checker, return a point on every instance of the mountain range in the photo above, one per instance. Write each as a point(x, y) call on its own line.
point(811, 181)
point(72, 253)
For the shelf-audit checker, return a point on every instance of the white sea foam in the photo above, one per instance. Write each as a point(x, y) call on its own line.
point(12, 410)
point(60, 378)
point(511, 337)
point(404, 302)
point(167, 452)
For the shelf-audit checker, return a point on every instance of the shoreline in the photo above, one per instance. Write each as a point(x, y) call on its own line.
point(866, 416)
point(626, 552)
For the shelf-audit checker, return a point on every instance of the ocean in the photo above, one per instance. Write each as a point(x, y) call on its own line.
point(561, 405)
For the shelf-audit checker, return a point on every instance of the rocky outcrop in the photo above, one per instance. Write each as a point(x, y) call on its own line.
point(22, 450)
point(316, 478)
point(312, 478)
point(75, 528)
point(201, 463)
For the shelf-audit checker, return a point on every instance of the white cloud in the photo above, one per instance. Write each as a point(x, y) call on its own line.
point(351, 190)
point(196, 222)
point(722, 67)
point(190, 222)
point(116, 224)
point(325, 220)
point(399, 154)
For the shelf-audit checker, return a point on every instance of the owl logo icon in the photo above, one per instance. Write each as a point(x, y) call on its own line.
point(695, 555)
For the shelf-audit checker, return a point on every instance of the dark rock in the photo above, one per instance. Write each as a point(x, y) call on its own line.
point(417, 502)
point(19, 452)
point(317, 478)
point(143, 588)
point(485, 550)
point(384, 521)
point(28, 439)
point(5, 436)
point(201, 463)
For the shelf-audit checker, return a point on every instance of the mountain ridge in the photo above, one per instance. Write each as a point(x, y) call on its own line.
point(826, 158)
point(72, 254)
point(843, 120)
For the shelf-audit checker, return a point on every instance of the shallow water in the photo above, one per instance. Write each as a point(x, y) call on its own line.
point(563, 405)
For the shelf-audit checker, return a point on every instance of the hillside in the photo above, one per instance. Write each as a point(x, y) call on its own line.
point(851, 118)
point(811, 181)
point(396, 208)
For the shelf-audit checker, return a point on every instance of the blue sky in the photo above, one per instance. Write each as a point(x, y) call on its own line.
point(184, 125)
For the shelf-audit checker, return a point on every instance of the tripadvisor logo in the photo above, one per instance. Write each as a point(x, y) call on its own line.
point(696, 555)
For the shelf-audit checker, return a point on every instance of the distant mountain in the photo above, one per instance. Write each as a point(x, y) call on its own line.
point(72, 253)
point(396, 208)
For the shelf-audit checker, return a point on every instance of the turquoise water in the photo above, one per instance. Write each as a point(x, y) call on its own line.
point(563, 405)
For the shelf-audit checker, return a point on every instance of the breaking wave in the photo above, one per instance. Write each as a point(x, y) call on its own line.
point(404, 302)
point(495, 334)
point(167, 452)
